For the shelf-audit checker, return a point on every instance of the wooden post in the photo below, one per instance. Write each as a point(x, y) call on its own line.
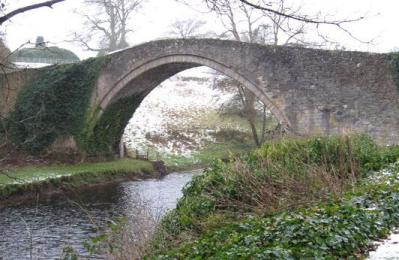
point(121, 149)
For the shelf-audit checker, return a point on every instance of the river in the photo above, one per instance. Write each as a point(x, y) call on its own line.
point(41, 229)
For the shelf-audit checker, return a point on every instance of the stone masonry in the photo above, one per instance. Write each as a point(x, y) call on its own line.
point(309, 91)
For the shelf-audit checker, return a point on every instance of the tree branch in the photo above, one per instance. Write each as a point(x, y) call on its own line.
point(28, 8)
point(300, 18)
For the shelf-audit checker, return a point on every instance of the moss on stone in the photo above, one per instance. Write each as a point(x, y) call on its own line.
point(105, 136)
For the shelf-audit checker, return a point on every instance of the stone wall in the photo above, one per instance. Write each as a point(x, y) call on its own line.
point(10, 86)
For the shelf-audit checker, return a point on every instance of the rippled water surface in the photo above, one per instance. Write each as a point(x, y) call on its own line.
point(42, 229)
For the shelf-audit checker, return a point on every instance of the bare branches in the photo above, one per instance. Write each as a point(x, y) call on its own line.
point(24, 9)
point(285, 19)
point(107, 24)
point(300, 18)
point(188, 28)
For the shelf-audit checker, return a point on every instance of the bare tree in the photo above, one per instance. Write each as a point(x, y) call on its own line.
point(269, 7)
point(107, 25)
point(189, 28)
point(244, 23)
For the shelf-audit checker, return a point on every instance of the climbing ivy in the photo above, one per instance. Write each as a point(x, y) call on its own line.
point(54, 104)
point(105, 136)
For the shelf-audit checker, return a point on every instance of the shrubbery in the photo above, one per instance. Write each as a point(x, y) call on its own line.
point(281, 176)
point(337, 229)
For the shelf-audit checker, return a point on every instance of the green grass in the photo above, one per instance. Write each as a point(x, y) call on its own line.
point(208, 154)
point(32, 179)
point(214, 119)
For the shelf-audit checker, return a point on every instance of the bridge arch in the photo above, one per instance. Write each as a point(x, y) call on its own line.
point(173, 64)
point(308, 91)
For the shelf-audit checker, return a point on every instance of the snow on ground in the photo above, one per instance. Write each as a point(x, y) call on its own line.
point(387, 249)
point(26, 65)
point(168, 118)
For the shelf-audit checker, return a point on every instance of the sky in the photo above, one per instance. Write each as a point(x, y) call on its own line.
point(153, 21)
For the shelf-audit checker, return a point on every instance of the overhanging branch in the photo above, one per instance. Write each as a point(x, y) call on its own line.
point(28, 8)
point(300, 18)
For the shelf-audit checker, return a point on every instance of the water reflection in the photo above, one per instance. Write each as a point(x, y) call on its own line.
point(42, 229)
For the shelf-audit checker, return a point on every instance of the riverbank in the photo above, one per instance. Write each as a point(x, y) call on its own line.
point(296, 198)
point(27, 182)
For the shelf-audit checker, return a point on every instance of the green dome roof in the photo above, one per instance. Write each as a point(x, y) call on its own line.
point(41, 54)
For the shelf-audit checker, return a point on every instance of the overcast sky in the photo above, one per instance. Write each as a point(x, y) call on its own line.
point(152, 22)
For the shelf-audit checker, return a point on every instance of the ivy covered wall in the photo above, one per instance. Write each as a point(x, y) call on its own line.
point(54, 105)
point(104, 137)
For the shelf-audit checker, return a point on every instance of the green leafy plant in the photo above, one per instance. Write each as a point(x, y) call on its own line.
point(335, 229)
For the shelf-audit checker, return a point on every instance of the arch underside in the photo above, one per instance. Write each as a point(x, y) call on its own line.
point(143, 78)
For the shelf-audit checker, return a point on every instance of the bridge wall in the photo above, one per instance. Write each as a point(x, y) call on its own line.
point(10, 86)
point(311, 91)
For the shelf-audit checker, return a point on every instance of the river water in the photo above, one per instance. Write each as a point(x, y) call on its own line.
point(41, 229)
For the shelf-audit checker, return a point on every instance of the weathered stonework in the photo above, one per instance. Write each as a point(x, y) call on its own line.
point(10, 86)
point(310, 91)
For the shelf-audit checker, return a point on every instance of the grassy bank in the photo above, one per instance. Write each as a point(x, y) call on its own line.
point(29, 180)
point(291, 199)
point(207, 155)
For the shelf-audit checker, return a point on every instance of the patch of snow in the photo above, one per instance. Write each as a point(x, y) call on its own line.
point(167, 119)
point(387, 249)
point(29, 65)
point(54, 175)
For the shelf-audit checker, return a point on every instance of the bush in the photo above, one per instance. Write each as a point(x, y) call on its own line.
point(282, 175)
point(339, 228)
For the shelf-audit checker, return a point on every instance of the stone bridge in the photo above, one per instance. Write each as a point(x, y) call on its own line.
point(309, 91)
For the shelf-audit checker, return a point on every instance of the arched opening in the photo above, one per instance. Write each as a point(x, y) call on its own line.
point(146, 76)
point(130, 90)
point(194, 117)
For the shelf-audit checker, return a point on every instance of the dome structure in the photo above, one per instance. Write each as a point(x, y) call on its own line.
point(42, 55)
